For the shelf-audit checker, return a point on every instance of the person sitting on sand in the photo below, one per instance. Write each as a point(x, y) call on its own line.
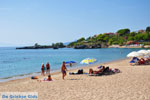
point(42, 69)
point(141, 61)
point(47, 68)
point(48, 79)
point(147, 61)
point(63, 70)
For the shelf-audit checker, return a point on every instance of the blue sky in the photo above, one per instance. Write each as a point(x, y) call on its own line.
point(25, 22)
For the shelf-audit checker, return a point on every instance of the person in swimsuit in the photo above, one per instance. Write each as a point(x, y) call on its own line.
point(63, 70)
point(91, 71)
point(47, 68)
point(42, 69)
point(48, 79)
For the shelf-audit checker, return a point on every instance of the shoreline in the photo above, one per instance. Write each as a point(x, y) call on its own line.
point(54, 72)
point(131, 84)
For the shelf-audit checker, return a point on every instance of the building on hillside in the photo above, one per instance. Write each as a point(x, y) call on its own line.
point(116, 33)
point(141, 31)
point(110, 34)
point(133, 44)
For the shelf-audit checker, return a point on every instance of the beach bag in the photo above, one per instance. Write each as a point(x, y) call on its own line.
point(80, 71)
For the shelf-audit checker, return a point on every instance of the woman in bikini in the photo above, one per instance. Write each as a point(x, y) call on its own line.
point(47, 68)
point(43, 69)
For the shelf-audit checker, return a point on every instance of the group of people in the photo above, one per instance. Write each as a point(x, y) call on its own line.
point(102, 70)
point(141, 61)
point(144, 61)
point(47, 70)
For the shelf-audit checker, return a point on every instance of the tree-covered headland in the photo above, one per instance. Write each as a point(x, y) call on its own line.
point(121, 37)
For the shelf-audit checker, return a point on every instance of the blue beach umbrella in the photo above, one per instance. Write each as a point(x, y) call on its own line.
point(88, 61)
point(70, 63)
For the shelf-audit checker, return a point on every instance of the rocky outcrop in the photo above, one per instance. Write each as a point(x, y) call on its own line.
point(81, 47)
point(34, 47)
point(94, 46)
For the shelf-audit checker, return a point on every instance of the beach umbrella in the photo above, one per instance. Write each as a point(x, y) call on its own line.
point(68, 62)
point(144, 52)
point(88, 61)
point(134, 54)
point(148, 52)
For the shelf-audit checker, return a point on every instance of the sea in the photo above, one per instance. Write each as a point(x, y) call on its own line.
point(20, 63)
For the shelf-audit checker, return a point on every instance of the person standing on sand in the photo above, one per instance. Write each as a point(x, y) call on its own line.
point(63, 70)
point(47, 68)
point(42, 69)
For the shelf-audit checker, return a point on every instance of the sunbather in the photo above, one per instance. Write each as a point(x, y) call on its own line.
point(141, 61)
point(103, 71)
point(91, 71)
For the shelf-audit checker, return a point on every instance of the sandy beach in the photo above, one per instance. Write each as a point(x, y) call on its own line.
point(133, 83)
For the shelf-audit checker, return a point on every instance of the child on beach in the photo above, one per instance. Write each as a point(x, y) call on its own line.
point(47, 68)
point(63, 70)
point(42, 69)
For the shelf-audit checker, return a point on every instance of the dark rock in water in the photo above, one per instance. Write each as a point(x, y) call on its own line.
point(88, 46)
point(34, 47)
point(81, 47)
point(55, 47)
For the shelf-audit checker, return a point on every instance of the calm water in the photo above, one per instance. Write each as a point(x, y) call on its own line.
point(19, 62)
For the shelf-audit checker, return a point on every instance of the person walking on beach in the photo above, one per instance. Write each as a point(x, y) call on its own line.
point(47, 68)
point(42, 69)
point(63, 70)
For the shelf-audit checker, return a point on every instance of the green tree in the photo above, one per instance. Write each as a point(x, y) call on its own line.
point(59, 45)
point(130, 38)
point(138, 37)
point(132, 34)
point(146, 36)
point(123, 32)
point(100, 37)
point(106, 38)
point(81, 39)
point(148, 29)
point(110, 41)
point(36, 45)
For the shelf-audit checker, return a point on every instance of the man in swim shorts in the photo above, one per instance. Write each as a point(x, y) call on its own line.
point(63, 70)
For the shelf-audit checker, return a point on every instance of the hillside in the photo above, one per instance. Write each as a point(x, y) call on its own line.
point(121, 37)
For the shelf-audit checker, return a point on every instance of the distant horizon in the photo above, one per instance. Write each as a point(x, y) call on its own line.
point(45, 22)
